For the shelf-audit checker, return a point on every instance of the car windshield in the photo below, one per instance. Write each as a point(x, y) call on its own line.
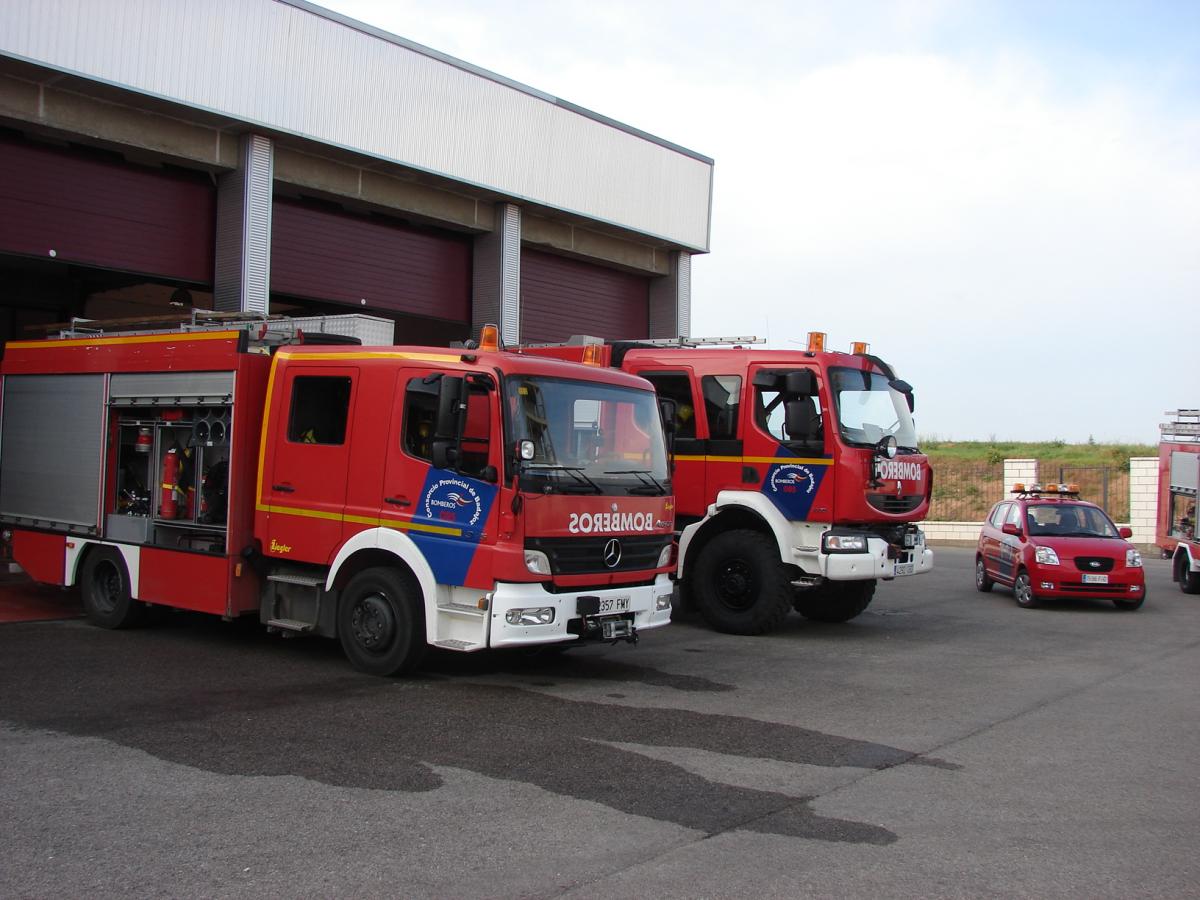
point(1068, 520)
point(869, 409)
point(587, 437)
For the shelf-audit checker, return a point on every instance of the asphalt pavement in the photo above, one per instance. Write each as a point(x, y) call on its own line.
point(944, 744)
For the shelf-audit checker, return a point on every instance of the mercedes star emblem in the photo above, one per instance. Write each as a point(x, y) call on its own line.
point(612, 553)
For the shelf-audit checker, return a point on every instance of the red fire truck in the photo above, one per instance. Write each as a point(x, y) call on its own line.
point(797, 474)
point(391, 497)
point(1178, 478)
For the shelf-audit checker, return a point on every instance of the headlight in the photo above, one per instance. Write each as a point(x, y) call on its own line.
point(537, 562)
point(536, 615)
point(1133, 559)
point(664, 558)
point(844, 543)
point(1046, 556)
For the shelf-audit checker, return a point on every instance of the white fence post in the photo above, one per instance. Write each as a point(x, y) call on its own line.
point(1143, 498)
point(1024, 471)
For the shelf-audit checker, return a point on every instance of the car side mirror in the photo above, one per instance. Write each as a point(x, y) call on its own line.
point(1011, 528)
point(1126, 532)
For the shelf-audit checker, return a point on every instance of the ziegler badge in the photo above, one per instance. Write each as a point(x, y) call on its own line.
point(453, 500)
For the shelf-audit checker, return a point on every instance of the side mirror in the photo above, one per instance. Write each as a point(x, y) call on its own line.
point(449, 408)
point(667, 410)
point(1125, 532)
point(1011, 528)
point(800, 383)
point(443, 453)
point(800, 420)
point(906, 389)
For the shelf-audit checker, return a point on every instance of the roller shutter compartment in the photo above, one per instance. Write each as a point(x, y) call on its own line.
point(561, 297)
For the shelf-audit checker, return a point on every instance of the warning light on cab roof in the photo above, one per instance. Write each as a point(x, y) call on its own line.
point(816, 341)
point(489, 338)
point(860, 348)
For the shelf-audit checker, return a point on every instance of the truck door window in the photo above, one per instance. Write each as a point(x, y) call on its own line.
point(420, 415)
point(676, 386)
point(420, 411)
point(477, 432)
point(722, 400)
point(769, 412)
point(320, 407)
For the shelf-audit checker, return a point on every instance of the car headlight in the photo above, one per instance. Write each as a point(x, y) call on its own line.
point(1046, 556)
point(844, 543)
point(664, 558)
point(535, 615)
point(537, 562)
point(1133, 559)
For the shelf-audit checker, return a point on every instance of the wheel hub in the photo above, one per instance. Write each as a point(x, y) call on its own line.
point(373, 622)
point(735, 584)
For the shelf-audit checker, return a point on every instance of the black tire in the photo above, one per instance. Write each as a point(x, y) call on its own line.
point(982, 581)
point(381, 623)
point(834, 601)
point(107, 596)
point(1023, 591)
point(1189, 581)
point(1130, 604)
point(739, 584)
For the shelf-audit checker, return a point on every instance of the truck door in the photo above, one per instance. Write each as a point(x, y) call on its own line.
point(446, 511)
point(727, 469)
point(306, 488)
point(688, 478)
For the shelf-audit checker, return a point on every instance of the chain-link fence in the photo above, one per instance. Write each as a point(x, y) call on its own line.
point(965, 493)
point(1106, 486)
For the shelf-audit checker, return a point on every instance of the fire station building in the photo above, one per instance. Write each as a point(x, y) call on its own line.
point(272, 156)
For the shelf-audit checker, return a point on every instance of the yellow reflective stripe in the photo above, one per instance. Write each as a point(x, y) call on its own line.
point(174, 337)
point(756, 459)
point(374, 354)
point(358, 520)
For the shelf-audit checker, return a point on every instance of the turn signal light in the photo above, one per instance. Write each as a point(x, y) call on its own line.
point(489, 338)
point(860, 348)
point(816, 341)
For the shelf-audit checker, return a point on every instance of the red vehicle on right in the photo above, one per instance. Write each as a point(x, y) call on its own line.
point(1047, 543)
point(1178, 479)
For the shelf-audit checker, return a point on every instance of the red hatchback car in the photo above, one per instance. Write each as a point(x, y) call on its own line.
point(1047, 543)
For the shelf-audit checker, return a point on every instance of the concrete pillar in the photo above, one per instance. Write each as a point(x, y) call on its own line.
point(1143, 498)
point(496, 276)
point(242, 280)
point(671, 299)
point(1024, 471)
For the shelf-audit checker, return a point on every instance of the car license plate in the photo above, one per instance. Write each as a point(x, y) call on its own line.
point(904, 568)
point(1095, 579)
point(610, 605)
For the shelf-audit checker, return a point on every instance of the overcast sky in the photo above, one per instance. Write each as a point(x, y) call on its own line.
point(1003, 197)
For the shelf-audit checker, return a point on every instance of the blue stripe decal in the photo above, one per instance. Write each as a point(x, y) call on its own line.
point(793, 487)
point(452, 499)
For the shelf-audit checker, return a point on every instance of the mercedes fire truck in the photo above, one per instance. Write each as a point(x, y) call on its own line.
point(1178, 478)
point(391, 497)
point(797, 474)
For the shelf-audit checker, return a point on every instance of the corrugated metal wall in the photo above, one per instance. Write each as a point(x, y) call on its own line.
point(338, 257)
point(98, 210)
point(561, 297)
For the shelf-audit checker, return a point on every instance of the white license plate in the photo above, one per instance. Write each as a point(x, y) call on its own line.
point(610, 605)
point(1095, 579)
point(904, 568)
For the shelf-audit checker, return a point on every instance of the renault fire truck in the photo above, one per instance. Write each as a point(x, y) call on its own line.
point(391, 497)
point(797, 474)
point(1178, 478)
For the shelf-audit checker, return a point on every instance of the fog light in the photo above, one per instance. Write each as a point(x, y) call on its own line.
point(537, 562)
point(662, 601)
point(534, 615)
point(1134, 588)
point(844, 543)
point(1047, 585)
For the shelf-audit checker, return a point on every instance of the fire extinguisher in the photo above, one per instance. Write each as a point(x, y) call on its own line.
point(168, 507)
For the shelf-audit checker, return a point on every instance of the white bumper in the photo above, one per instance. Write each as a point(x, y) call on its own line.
point(874, 563)
point(644, 603)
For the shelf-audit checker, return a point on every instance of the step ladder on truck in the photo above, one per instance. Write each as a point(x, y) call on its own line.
point(391, 497)
point(798, 479)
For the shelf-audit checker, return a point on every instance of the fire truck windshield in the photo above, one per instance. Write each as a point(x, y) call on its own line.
point(587, 437)
point(869, 409)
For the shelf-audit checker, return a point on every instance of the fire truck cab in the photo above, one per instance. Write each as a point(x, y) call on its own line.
point(392, 497)
point(797, 474)
point(1178, 479)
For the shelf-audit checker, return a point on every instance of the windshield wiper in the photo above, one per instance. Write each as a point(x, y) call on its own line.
point(646, 477)
point(582, 482)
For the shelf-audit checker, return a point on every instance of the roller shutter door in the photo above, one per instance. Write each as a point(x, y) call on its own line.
point(95, 209)
point(338, 257)
point(561, 297)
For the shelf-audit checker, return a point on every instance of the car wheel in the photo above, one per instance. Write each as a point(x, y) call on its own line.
point(834, 601)
point(739, 585)
point(107, 597)
point(982, 582)
point(1023, 591)
point(381, 625)
point(1130, 604)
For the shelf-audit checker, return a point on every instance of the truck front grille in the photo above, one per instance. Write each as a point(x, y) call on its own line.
point(893, 505)
point(585, 555)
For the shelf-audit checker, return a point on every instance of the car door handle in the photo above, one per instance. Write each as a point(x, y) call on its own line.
point(398, 501)
point(283, 488)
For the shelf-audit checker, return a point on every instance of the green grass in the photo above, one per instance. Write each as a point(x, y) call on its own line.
point(1050, 453)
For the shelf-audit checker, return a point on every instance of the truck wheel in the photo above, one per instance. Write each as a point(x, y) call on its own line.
point(1023, 591)
point(107, 597)
point(982, 582)
point(1189, 581)
point(380, 622)
point(834, 601)
point(739, 585)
